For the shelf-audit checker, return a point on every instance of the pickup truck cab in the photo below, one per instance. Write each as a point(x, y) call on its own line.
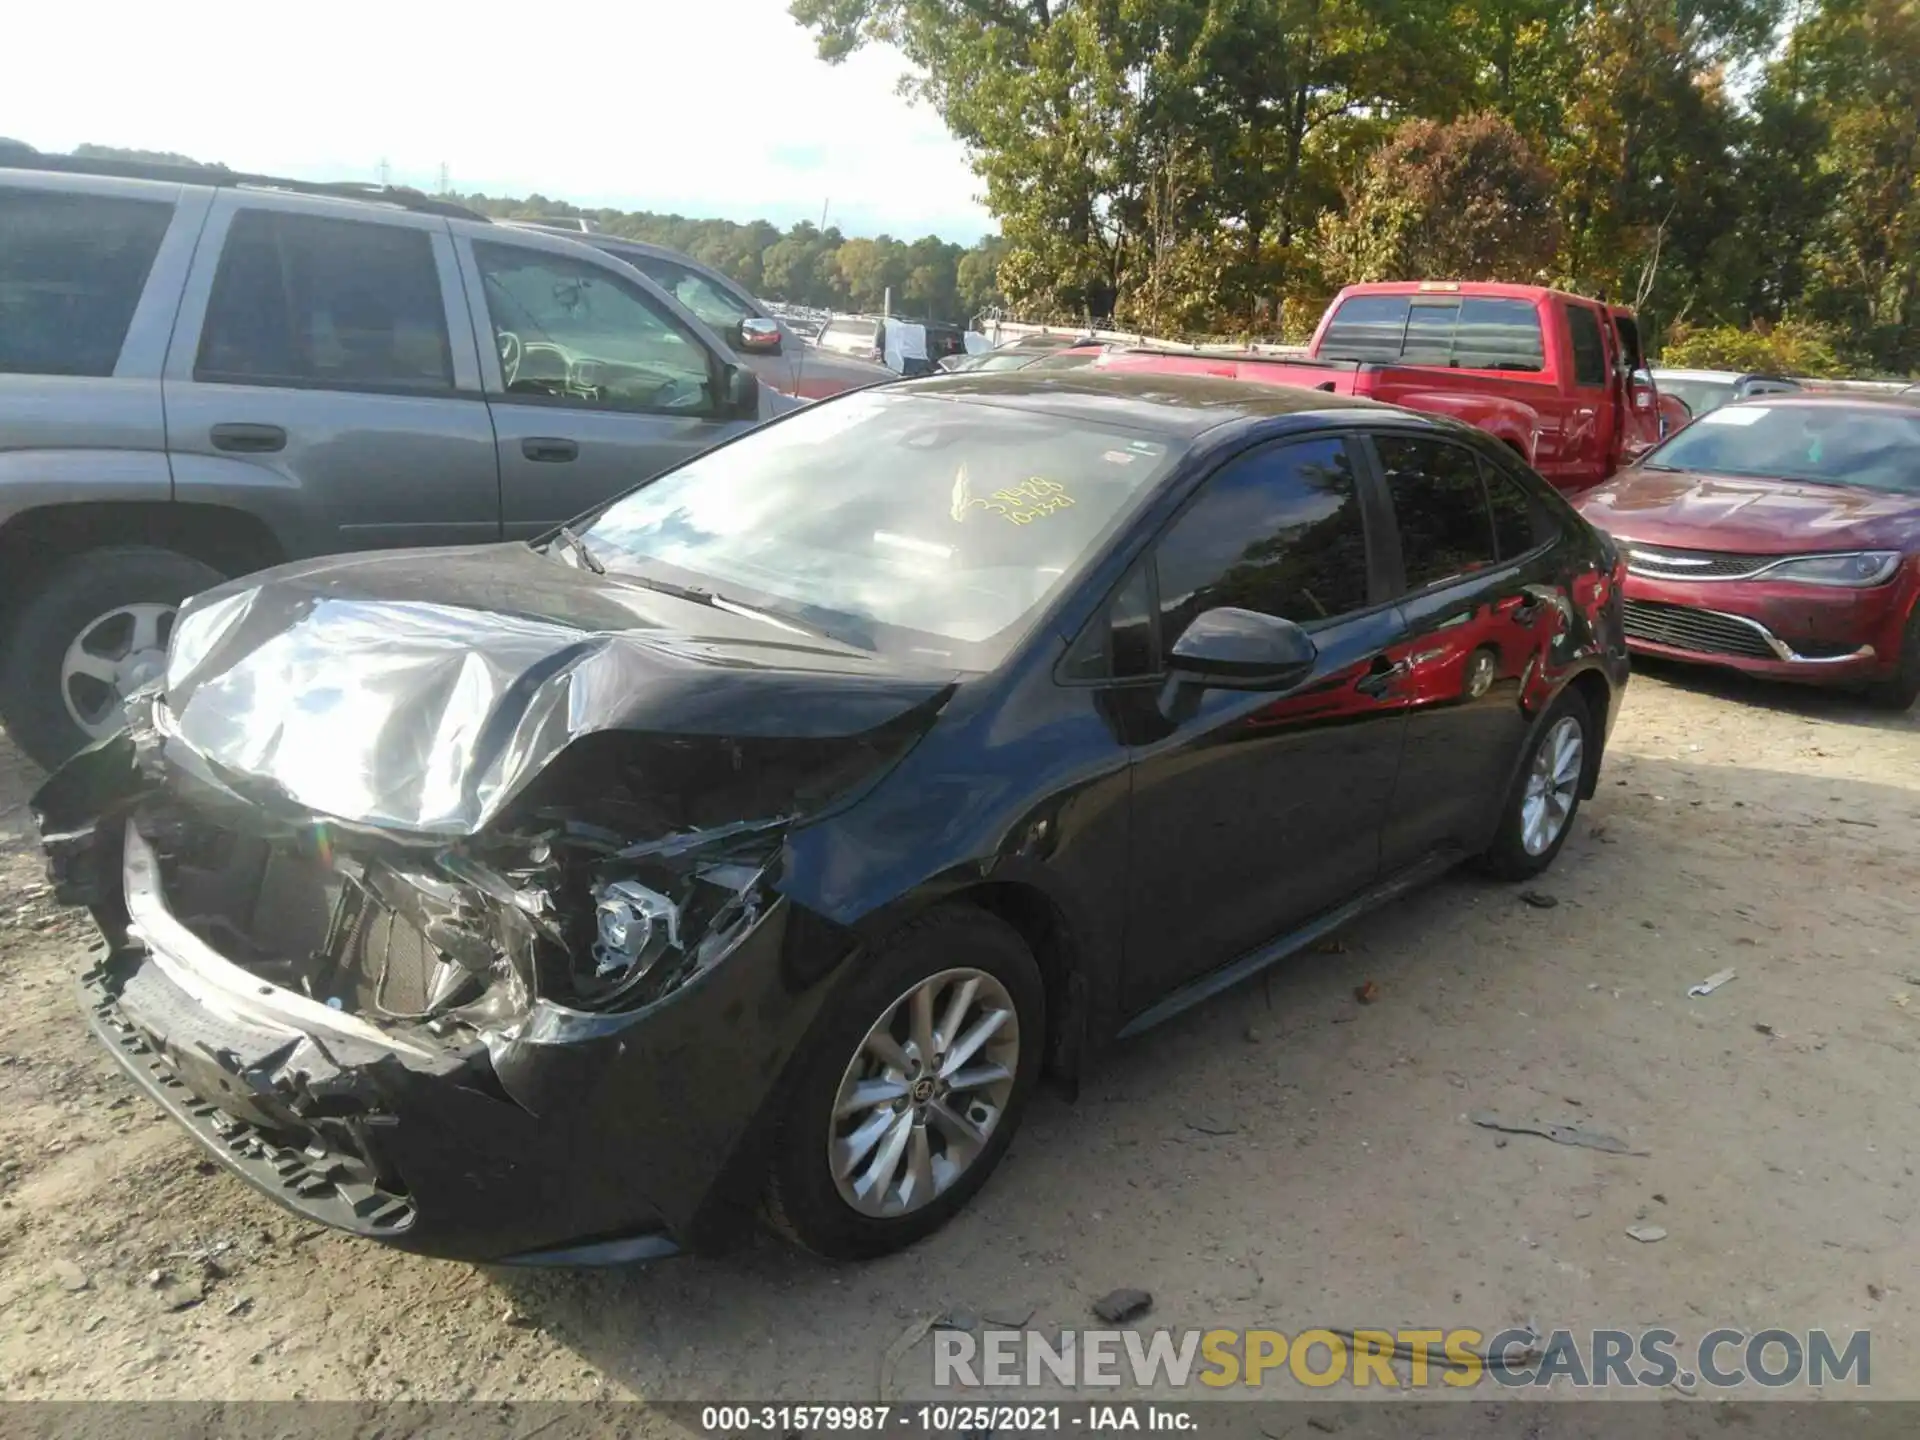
point(203, 374)
point(1559, 378)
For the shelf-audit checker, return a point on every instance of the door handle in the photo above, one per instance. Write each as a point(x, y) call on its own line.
point(549, 448)
point(1380, 676)
point(243, 439)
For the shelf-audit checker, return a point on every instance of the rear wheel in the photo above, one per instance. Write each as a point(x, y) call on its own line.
point(1539, 812)
point(912, 1088)
point(1902, 688)
point(97, 628)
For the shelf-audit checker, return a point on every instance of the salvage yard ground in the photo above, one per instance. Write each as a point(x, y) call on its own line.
point(1284, 1156)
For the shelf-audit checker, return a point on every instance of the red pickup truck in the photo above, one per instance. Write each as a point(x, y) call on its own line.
point(1558, 377)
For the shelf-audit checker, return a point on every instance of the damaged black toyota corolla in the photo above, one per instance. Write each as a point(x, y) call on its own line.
point(754, 844)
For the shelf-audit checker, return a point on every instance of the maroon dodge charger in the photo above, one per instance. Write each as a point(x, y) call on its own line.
point(1780, 537)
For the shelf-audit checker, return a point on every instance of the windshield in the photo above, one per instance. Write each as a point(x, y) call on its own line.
point(1876, 446)
point(1699, 396)
point(930, 529)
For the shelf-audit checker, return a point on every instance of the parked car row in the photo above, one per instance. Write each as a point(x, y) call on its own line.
point(687, 806)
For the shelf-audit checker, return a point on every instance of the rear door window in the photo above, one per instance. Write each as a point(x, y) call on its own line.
point(71, 271)
point(310, 302)
point(1446, 527)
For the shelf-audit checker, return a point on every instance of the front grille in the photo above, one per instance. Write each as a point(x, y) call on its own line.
point(1664, 563)
point(1700, 631)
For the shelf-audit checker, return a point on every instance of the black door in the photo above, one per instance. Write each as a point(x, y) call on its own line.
point(1253, 811)
point(1483, 605)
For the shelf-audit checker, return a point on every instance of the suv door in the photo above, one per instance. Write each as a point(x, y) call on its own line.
point(595, 383)
point(1483, 605)
point(322, 376)
point(1252, 811)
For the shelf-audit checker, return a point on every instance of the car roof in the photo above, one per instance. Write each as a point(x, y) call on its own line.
point(1182, 406)
point(1475, 289)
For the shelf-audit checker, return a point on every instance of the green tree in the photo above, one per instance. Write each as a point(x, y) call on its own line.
point(1854, 65)
point(1464, 201)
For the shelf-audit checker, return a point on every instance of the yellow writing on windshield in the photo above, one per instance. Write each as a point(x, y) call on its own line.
point(1020, 504)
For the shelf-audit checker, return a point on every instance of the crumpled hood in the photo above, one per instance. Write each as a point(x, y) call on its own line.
point(417, 692)
point(1761, 517)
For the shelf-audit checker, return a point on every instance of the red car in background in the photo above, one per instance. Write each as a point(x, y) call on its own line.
point(1780, 537)
point(1559, 378)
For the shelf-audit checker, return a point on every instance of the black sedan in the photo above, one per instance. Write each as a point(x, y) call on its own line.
point(760, 841)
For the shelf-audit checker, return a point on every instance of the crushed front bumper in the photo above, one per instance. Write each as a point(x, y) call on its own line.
point(576, 1139)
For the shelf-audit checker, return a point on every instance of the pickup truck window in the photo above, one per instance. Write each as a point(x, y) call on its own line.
point(1446, 528)
point(71, 271)
point(1589, 354)
point(1474, 333)
point(331, 304)
point(1277, 531)
point(571, 332)
point(1367, 327)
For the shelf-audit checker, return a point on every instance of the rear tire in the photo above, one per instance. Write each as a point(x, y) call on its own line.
point(109, 599)
point(829, 1188)
point(1899, 691)
point(1538, 815)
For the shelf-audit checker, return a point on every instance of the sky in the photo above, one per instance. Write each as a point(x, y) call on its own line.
point(707, 108)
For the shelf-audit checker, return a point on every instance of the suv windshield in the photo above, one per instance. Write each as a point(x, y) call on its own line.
point(929, 529)
point(1874, 445)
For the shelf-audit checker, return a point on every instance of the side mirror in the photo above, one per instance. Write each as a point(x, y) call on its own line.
point(742, 392)
point(1233, 649)
point(757, 336)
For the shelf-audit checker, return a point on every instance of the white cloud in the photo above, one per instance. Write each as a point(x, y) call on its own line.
point(704, 107)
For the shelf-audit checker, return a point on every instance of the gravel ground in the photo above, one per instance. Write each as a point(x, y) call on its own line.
point(1283, 1156)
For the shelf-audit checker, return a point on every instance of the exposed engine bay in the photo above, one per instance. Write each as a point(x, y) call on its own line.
point(555, 902)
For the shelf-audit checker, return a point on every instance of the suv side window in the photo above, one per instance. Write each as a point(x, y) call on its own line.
point(1446, 527)
point(71, 271)
point(574, 333)
point(301, 300)
point(1589, 354)
point(695, 291)
point(1278, 531)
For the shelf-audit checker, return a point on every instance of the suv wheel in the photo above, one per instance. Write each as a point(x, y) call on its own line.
point(910, 1088)
point(1538, 815)
point(95, 629)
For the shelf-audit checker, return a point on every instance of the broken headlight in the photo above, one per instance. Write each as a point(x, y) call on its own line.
point(664, 912)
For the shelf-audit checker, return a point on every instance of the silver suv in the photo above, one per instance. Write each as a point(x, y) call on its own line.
point(202, 374)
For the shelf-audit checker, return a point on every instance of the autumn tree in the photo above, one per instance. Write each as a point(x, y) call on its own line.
point(1462, 201)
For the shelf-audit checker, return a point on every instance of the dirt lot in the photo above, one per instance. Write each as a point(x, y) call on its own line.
point(1284, 1156)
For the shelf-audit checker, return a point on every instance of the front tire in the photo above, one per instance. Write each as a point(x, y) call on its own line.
point(1539, 813)
point(97, 628)
point(911, 1088)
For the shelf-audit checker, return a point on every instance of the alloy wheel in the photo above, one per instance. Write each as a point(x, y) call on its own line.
point(1553, 785)
point(113, 655)
point(924, 1093)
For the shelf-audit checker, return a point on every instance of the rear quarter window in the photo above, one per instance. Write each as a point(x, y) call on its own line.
point(71, 271)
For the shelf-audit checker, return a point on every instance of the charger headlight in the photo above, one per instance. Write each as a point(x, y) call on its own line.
point(1853, 569)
